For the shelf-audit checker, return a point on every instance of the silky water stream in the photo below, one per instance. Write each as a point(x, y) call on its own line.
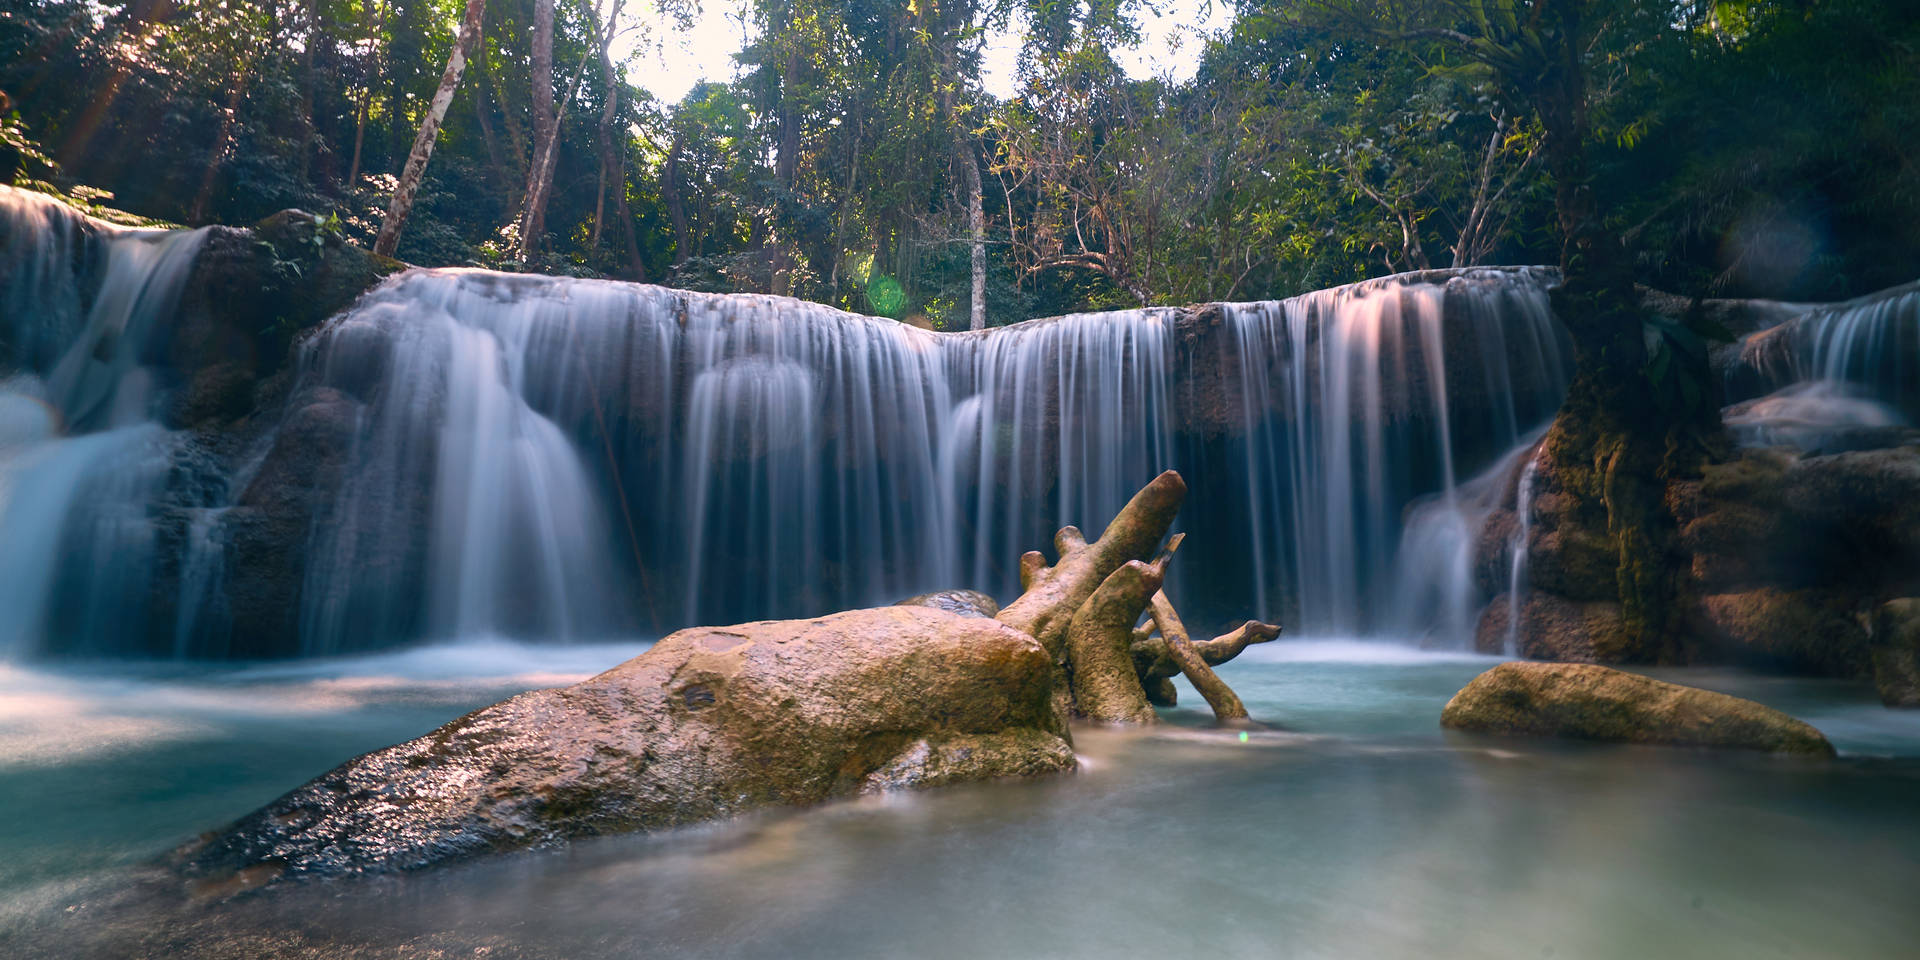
point(1368, 833)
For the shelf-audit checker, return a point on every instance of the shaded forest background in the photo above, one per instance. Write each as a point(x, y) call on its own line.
point(1738, 149)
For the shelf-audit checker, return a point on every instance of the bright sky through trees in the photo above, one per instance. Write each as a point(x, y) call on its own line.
point(1170, 46)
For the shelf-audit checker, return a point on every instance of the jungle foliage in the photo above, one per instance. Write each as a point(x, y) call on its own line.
point(1734, 148)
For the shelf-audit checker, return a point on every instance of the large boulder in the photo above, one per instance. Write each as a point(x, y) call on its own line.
point(710, 722)
point(1588, 702)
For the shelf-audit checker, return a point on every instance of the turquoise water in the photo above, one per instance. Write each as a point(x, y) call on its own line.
point(1361, 830)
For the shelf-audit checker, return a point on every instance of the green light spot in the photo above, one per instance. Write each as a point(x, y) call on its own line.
point(1243, 736)
point(886, 296)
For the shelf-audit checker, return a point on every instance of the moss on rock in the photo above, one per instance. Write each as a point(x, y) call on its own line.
point(1589, 702)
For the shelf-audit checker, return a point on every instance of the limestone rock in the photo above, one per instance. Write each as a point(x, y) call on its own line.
point(1768, 518)
point(967, 603)
point(1800, 631)
point(1553, 627)
point(1574, 562)
point(1589, 702)
point(1896, 652)
point(710, 722)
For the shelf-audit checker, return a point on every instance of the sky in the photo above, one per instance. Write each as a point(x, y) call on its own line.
point(1170, 48)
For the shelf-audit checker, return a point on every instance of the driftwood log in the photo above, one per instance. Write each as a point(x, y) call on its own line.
point(1085, 609)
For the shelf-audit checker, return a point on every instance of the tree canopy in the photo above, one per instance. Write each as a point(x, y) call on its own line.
point(1734, 148)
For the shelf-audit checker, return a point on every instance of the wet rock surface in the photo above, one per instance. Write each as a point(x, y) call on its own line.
point(712, 721)
point(1810, 632)
point(1783, 556)
point(1551, 627)
point(1589, 702)
point(1896, 652)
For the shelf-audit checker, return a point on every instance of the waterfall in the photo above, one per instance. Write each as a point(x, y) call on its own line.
point(464, 510)
point(1833, 369)
point(1353, 406)
point(1871, 342)
point(1066, 419)
point(758, 457)
point(465, 452)
point(82, 457)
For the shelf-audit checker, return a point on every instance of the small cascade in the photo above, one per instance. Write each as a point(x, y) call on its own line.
point(463, 510)
point(1834, 369)
point(1518, 547)
point(1440, 598)
point(1873, 342)
point(758, 413)
point(83, 460)
point(1811, 415)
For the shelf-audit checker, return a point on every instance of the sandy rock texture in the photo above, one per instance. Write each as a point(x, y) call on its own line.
point(711, 721)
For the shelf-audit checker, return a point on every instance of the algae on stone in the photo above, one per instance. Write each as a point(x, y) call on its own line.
point(1589, 702)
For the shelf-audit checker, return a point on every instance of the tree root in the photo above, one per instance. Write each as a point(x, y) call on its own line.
point(1083, 610)
point(1155, 665)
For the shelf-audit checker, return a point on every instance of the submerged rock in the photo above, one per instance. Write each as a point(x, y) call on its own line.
point(1589, 702)
point(710, 722)
point(967, 603)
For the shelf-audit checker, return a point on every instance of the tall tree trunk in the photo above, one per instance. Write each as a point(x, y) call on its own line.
point(607, 112)
point(389, 239)
point(546, 128)
point(402, 21)
point(968, 160)
point(637, 263)
point(366, 98)
point(514, 156)
point(540, 177)
point(676, 205)
point(309, 79)
point(977, 224)
point(1613, 445)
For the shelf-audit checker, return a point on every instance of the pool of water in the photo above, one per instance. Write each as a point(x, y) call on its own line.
point(1360, 829)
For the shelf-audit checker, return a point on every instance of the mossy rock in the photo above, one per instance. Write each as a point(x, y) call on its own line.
point(1588, 702)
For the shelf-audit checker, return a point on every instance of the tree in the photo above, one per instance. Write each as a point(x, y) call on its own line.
point(409, 183)
point(1614, 442)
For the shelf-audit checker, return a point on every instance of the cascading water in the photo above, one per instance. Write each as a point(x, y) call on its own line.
point(763, 457)
point(1832, 369)
point(465, 452)
point(82, 459)
point(451, 470)
point(1518, 547)
point(1360, 398)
